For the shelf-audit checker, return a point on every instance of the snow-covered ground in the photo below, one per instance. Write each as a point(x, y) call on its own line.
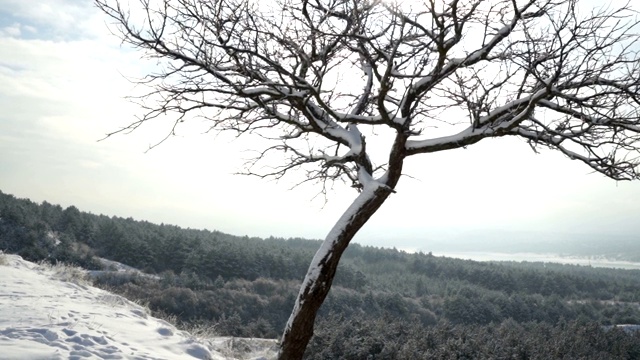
point(50, 313)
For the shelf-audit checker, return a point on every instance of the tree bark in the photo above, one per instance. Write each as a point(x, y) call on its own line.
point(322, 270)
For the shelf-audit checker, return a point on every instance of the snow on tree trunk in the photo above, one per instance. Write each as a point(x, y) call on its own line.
point(317, 282)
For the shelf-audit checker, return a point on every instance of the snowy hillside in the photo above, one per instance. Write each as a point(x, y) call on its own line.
point(44, 316)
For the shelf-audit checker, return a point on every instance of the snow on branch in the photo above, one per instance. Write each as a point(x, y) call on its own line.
point(313, 71)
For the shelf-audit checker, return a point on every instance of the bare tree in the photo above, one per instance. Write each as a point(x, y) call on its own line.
point(318, 78)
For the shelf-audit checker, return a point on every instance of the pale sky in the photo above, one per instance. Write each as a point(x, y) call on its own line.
point(62, 88)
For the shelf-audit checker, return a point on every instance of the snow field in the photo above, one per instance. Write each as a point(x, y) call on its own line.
point(42, 316)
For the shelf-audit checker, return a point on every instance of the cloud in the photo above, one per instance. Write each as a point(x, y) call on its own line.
point(53, 20)
point(11, 31)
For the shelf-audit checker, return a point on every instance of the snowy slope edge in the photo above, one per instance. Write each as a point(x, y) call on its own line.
point(45, 317)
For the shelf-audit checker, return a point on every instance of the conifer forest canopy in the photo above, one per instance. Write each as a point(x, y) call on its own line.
point(330, 85)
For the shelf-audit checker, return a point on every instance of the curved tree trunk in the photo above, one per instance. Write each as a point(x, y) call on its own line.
point(322, 270)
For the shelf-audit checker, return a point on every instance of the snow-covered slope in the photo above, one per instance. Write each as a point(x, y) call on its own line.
point(42, 316)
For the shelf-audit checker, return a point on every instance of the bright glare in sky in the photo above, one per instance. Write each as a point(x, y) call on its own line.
point(63, 83)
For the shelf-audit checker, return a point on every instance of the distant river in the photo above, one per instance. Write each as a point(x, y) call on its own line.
point(533, 257)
